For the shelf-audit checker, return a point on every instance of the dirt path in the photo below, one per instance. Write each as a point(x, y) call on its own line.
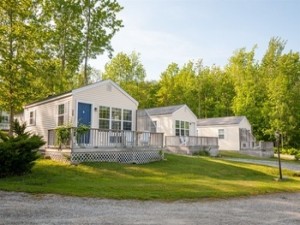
point(21, 208)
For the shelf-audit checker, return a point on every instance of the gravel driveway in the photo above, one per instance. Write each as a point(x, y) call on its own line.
point(21, 208)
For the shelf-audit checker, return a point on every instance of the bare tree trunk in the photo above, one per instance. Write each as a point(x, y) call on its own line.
point(10, 69)
point(87, 45)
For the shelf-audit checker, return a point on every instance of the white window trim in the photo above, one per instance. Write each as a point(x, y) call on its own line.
point(33, 121)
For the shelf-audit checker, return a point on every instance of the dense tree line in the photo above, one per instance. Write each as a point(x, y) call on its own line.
point(266, 91)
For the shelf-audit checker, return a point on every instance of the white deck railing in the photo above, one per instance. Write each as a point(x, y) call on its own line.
point(191, 141)
point(99, 138)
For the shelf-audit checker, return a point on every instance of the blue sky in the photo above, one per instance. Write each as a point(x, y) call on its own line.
point(166, 31)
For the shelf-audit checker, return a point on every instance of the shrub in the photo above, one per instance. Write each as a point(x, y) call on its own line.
point(18, 153)
point(63, 135)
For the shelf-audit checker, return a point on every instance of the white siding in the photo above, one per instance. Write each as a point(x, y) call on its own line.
point(185, 114)
point(46, 116)
point(105, 94)
point(231, 136)
point(245, 124)
point(164, 124)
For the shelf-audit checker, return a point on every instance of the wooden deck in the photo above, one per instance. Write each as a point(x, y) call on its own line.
point(106, 146)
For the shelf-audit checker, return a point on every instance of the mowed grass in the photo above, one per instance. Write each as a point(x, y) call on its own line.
point(176, 178)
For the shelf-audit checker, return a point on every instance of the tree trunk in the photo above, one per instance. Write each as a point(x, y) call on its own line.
point(10, 69)
point(87, 45)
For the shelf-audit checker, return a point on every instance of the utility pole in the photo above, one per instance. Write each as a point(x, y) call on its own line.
point(277, 135)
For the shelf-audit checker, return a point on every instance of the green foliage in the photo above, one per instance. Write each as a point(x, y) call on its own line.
point(290, 151)
point(18, 153)
point(201, 153)
point(63, 135)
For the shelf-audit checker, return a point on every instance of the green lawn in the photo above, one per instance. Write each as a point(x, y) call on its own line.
point(177, 177)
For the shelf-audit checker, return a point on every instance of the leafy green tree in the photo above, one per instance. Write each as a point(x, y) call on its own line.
point(19, 54)
point(63, 40)
point(165, 94)
point(129, 73)
point(249, 88)
point(125, 68)
point(282, 76)
point(100, 25)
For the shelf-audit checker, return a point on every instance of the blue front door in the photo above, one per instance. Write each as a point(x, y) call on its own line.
point(84, 118)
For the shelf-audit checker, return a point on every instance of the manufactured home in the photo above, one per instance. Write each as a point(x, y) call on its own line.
point(97, 118)
point(178, 123)
point(234, 133)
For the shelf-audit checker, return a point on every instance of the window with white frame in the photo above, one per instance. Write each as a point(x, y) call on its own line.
point(127, 119)
point(182, 128)
point(104, 117)
point(32, 118)
point(116, 118)
point(60, 114)
point(221, 133)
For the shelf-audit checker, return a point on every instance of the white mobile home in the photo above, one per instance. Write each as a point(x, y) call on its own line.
point(178, 123)
point(176, 120)
point(234, 132)
point(102, 105)
point(108, 114)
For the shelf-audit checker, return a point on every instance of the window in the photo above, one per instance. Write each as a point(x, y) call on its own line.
point(61, 115)
point(31, 118)
point(116, 114)
point(4, 119)
point(127, 119)
point(115, 118)
point(182, 128)
point(221, 133)
point(104, 116)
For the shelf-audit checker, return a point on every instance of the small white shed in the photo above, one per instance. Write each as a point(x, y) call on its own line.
point(234, 132)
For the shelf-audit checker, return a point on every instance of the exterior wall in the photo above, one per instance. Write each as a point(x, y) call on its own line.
point(185, 114)
point(231, 136)
point(46, 115)
point(164, 124)
point(245, 124)
point(103, 95)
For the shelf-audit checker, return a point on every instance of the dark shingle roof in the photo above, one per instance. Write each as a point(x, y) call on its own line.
point(163, 110)
point(220, 121)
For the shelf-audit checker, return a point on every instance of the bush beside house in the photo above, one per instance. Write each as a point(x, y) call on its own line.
point(18, 153)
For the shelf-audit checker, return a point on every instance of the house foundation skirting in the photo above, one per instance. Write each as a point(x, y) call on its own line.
point(190, 150)
point(124, 156)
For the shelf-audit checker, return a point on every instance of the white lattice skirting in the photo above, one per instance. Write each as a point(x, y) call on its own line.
point(138, 157)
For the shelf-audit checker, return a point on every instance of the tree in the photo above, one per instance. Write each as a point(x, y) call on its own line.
point(19, 54)
point(282, 76)
point(63, 41)
point(100, 25)
point(129, 73)
point(18, 153)
point(125, 68)
point(249, 87)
